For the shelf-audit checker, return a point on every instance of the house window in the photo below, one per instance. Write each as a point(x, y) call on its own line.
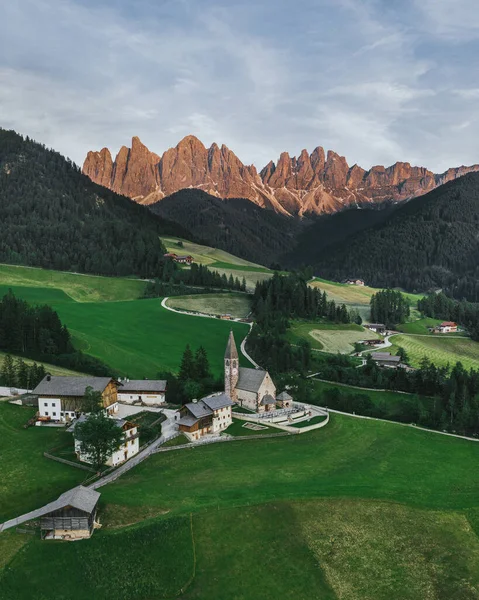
point(46, 413)
point(54, 414)
point(45, 404)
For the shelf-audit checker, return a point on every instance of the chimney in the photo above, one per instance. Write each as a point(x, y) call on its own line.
point(49, 377)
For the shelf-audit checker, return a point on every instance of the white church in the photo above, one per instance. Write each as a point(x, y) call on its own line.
point(252, 388)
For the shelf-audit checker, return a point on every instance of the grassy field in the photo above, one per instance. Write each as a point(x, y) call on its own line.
point(237, 429)
point(206, 255)
point(29, 479)
point(251, 277)
point(238, 305)
point(81, 288)
point(440, 349)
point(329, 337)
point(359, 509)
point(137, 338)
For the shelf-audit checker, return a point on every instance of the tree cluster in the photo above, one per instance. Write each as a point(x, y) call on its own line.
point(17, 373)
point(389, 307)
point(454, 391)
point(439, 306)
point(55, 217)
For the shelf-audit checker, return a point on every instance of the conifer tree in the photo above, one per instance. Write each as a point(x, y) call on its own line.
point(187, 367)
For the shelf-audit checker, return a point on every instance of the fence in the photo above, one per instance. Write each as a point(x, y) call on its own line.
point(68, 462)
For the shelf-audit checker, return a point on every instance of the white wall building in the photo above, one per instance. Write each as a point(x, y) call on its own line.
point(210, 415)
point(147, 391)
point(129, 447)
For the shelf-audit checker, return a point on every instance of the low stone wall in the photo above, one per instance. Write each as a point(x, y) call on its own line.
point(273, 421)
point(68, 462)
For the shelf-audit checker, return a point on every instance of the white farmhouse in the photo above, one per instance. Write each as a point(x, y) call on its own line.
point(210, 415)
point(147, 391)
point(129, 447)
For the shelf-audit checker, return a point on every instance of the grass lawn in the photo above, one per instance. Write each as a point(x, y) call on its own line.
point(81, 288)
point(28, 479)
point(206, 255)
point(329, 337)
point(236, 267)
point(389, 402)
point(238, 305)
point(237, 429)
point(137, 338)
point(177, 441)
point(440, 349)
point(359, 509)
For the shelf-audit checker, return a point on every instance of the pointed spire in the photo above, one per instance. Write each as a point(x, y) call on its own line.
point(231, 351)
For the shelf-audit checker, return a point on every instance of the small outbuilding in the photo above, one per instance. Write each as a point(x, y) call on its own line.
point(385, 359)
point(284, 400)
point(376, 327)
point(71, 517)
point(147, 391)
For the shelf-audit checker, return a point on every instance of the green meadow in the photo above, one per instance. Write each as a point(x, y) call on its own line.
point(329, 337)
point(359, 509)
point(440, 349)
point(136, 338)
point(238, 305)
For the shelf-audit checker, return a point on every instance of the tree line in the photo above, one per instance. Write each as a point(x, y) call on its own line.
point(389, 307)
point(37, 332)
point(439, 306)
point(17, 373)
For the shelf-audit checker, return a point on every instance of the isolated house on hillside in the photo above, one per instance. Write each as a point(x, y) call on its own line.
point(71, 517)
point(210, 415)
point(376, 327)
point(128, 448)
point(446, 327)
point(146, 391)
point(251, 388)
point(61, 398)
point(359, 282)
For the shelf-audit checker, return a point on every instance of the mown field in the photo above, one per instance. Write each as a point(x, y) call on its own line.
point(359, 509)
point(329, 337)
point(238, 305)
point(205, 255)
point(440, 349)
point(81, 288)
point(137, 338)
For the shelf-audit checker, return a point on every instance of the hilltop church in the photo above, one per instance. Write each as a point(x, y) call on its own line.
point(251, 388)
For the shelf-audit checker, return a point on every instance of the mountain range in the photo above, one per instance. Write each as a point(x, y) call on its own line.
point(311, 184)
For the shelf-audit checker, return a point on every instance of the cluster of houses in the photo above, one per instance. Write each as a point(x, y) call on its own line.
point(359, 282)
point(183, 260)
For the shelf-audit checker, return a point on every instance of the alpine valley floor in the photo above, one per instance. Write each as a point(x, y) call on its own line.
point(358, 510)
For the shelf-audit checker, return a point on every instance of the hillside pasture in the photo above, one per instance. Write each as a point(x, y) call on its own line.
point(28, 479)
point(238, 305)
point(205, 255)
point(251, 277)
point(137, 338)
point(52, 369)
point(78, 287)
point(329, 337)
point(440, 349)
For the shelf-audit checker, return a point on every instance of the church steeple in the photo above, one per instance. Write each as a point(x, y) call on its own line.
point(231, 367)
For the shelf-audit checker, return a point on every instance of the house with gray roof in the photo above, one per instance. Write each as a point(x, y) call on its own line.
point(251, 388)
point(385, 359)
point(284, 400)
point(151, 392)
point(71, 517)
point(211, 414)
point(61, 399)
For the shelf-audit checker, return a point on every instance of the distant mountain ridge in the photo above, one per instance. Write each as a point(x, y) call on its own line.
point(316, 183)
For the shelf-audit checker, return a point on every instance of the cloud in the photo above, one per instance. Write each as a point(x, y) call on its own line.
point(353, 76)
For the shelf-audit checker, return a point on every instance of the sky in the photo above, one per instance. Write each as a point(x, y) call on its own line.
point(374, 80)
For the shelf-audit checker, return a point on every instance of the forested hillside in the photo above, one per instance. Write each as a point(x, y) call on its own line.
point(235, 225)
point(431, 242)
point(54, 217)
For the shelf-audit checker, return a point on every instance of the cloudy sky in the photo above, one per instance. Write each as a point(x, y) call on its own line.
point(376, 81)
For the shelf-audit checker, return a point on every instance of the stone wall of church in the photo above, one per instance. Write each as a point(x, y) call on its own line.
point(247, 399)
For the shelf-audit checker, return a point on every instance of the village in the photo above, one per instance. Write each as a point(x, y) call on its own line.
point(249, 397)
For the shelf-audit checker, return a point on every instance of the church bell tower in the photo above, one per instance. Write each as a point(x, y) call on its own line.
point(231, 367)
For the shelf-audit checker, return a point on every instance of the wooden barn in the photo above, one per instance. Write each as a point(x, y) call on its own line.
point(71, 517)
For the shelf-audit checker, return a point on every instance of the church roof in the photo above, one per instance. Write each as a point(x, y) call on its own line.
point(231, 351)
point(267, 399)
point(283, 396)
point(250, 380)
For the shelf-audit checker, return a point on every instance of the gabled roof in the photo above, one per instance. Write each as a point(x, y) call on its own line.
point(250, 380)
point(70, 386)
point(375, 325)
point(188, 420)
point(218, 401)
point(385, 356)
point(448, 324)
point(231, 351)
point(198, 409)
point(83, 418)
point(284, 396)
point(81, 498)
point(267, 399)
point(143, 385)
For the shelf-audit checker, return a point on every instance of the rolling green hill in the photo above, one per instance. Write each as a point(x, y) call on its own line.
point(359, 509)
